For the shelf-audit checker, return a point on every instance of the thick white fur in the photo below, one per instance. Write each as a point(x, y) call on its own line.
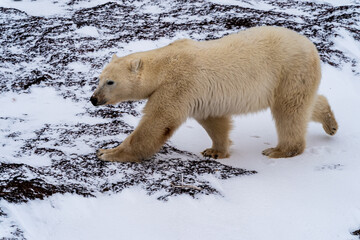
point(210, 81)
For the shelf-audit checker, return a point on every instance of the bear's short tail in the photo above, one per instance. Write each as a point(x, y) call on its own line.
point(323, 114)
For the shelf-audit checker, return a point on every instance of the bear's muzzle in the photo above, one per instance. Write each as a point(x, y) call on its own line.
point(94, 101)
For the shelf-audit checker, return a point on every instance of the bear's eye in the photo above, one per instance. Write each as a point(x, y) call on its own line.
point(109, 82)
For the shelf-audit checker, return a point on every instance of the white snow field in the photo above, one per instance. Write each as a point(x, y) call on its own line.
point(314, 196)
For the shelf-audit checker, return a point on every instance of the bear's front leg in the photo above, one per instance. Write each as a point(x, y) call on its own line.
point(156, 126)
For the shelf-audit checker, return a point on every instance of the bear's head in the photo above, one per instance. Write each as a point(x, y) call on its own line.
point(119, 81)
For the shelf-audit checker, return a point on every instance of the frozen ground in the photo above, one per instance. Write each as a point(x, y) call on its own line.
point(53, 187)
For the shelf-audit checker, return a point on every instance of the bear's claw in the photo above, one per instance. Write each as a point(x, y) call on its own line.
point(101, 152)
point(330, 125)
point(213, 153)
point(116, 155)
point(98, 153)
point(105, 154)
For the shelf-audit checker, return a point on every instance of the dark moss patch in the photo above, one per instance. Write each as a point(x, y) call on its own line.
point(356, 233)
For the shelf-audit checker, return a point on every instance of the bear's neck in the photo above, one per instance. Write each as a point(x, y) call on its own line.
point(162, 69)
point(171, 68)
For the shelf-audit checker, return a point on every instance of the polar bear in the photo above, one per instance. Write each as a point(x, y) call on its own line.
point(255, 69)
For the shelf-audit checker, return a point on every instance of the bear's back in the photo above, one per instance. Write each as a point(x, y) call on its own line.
point(239, 73)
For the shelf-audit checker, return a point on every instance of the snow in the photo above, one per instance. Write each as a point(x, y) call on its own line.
point(339, 2)
point(152, 9)
point(35, 8)
point(88, 31)
point(33, 109)
point(39, 106)
point(346, 43)
point(312, 196)
point(287, 199)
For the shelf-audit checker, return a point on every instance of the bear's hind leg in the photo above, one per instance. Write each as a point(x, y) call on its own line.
point(323, 114)
point(291, 129)
point(218, 129)
point(291, 112)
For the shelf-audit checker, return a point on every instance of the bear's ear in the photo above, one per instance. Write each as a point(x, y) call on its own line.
point(114, 57)
point(135, 65)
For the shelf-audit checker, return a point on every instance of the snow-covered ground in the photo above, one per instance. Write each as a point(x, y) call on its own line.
point(53, 187)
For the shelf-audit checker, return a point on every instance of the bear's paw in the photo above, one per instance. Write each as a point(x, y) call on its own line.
point(213, 153)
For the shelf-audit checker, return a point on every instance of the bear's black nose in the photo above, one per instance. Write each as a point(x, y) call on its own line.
point(94, 100)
